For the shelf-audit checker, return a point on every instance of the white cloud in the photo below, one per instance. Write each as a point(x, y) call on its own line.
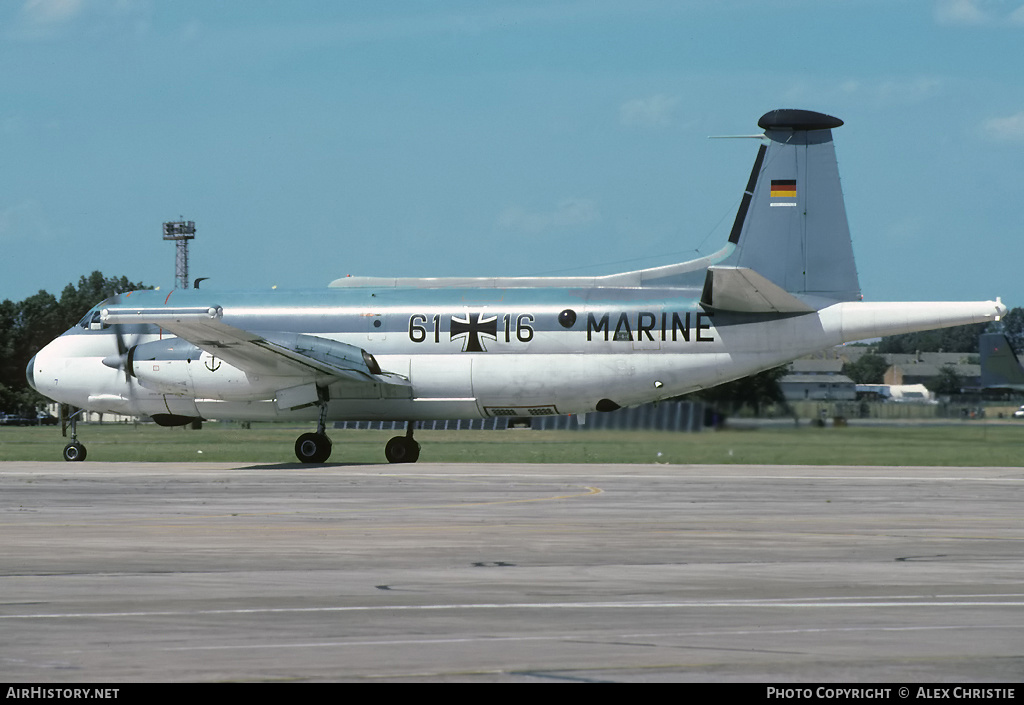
point(1006, 129)
point(569, 213)
point(960, 12)
point(53, 19)
point(912, 90)
point(899, 91)
point(52, 11)
point(656, 111)
point(973, 13)
point(193, 31)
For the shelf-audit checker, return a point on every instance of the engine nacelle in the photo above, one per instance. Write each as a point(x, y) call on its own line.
point(176, 366)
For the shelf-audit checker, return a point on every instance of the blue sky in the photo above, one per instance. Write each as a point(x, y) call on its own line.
point(314, 139)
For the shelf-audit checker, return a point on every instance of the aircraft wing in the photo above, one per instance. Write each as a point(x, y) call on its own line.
point(268, 354)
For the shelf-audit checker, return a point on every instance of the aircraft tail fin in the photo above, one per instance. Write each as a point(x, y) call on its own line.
point(1000, 366)
point(791, 226)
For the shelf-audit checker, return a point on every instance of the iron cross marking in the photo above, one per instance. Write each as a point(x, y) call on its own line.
point(470, 330)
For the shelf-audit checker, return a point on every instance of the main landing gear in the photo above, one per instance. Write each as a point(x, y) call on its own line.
point(316, 447)
point(313, 447)
point(403, 449)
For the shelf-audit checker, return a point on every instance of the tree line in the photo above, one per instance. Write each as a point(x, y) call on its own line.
point(26, 326)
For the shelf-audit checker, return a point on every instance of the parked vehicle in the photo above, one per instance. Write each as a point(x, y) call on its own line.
point(45, 419)
point(38, 419)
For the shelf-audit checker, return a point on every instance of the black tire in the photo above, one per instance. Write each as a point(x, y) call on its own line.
point(401, 449)
point(74, 452)
point(313, 448)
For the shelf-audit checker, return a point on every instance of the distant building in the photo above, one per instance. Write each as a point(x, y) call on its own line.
point(924, 368)
point(816, 379)
point(819, 377)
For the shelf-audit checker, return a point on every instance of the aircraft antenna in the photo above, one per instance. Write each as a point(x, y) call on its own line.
point(181, 231)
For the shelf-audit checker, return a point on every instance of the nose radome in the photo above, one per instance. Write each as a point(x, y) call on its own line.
point(29, 374)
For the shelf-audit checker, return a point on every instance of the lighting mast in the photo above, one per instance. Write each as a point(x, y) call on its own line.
point(181, 232)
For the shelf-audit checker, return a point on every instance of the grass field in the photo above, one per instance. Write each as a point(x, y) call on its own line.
point(967, 443)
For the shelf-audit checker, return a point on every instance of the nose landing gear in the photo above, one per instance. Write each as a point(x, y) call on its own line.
point(73, 451)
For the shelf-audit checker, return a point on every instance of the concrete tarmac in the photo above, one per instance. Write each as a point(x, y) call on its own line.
point(135, 572)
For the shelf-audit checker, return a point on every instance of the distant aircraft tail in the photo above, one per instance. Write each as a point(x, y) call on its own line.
point(1000, 367)
point(791, 226)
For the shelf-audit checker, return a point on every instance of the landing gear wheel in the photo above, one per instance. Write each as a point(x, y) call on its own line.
point(74, 452)
point(402, 449)
point(313, 448)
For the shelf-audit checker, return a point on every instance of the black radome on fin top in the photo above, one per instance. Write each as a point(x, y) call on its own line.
point(787, 118)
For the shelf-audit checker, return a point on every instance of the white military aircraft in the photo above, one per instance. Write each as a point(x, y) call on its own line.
point(783, 286)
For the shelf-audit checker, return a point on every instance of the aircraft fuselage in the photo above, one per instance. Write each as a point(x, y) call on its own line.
point(465, 352)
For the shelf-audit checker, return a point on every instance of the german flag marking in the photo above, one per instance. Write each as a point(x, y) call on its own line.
point(783, 188)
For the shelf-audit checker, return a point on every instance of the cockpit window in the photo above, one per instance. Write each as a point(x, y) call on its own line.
point(92, 321)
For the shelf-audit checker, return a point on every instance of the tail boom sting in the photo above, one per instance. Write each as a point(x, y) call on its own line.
point(865, 320)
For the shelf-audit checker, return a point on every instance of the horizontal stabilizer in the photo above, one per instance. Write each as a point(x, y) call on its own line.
point(743, 290)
